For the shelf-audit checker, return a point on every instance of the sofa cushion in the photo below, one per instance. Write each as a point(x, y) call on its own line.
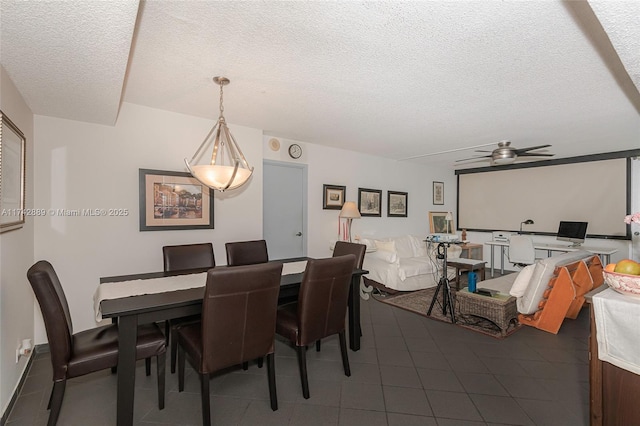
point(386, 256)
point(542, 273)
point(419, 246)
point(404, 246)
point(521, 282)
point(414, 266)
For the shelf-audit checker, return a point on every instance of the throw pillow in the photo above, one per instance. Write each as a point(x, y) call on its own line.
point(521, 282)
point(386, 256)
point(367, 242)
point(386, 245)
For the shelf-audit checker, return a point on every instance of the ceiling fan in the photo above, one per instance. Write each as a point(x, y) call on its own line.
point(506, 154)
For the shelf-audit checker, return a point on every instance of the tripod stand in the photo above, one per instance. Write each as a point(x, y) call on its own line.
point(443, 285)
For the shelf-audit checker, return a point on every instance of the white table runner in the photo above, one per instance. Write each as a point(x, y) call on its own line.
point(129, 288)
point(617, 318)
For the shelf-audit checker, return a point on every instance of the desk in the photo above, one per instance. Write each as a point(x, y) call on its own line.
point(134, 310)
point(604, 253)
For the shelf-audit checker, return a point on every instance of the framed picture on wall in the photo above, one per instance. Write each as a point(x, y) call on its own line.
point(333, 197)
point(438, 193)
point(173, 201)
point(438, 223)
point(369, 202)
point(397, 204)
point(12, 176)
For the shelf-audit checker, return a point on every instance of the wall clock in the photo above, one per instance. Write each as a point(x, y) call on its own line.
point(295, 151)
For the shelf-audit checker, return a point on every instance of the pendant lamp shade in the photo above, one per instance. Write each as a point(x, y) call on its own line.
point(228, 168)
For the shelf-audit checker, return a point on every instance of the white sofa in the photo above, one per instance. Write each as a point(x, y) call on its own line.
point(404, 263)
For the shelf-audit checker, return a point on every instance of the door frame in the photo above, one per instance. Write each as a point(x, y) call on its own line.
point(305, 186)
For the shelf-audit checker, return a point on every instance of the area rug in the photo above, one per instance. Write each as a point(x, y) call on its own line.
point(419, 301)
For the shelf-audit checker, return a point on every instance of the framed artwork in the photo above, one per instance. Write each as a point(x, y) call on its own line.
point(369, 202)
point(438, 223)
point(438, 193)
point(333, 197)
point(12, 175)
point(397, 204)
point(173, 201)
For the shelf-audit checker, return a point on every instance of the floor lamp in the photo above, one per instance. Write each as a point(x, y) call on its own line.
point(349, 211)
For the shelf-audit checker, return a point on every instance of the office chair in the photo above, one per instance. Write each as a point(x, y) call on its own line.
point(521, 251)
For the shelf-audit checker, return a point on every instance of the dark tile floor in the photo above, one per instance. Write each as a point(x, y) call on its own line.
point(411, 370)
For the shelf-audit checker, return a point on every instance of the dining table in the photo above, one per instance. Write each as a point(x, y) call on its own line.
point(133, 309)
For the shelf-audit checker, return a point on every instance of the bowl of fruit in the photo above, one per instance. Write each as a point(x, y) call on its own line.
point(623, 277)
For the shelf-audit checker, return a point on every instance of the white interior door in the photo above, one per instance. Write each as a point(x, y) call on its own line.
point(285, 209)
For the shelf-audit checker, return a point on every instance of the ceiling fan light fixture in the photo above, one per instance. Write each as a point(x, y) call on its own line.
point(503, 156)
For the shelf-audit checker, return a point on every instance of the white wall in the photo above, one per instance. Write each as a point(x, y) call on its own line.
point(88, 166)
point(354, 170)
point(16, 256)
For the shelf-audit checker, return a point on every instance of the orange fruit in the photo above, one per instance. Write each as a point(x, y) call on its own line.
point(610, 267)
point(627, 266)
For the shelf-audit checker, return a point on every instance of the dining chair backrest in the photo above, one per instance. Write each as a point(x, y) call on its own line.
point(239, 314)
point(322, 302)
point(342, 247)
point(246, 252)
point(188, 256)
point(55, 313)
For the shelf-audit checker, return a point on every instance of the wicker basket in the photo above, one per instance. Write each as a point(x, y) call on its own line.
point(622, 283)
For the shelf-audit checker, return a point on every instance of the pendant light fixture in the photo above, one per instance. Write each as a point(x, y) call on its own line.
point(228, 169)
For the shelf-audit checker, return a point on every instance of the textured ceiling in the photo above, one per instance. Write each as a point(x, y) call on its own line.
point(68, 59)
point(394, 79)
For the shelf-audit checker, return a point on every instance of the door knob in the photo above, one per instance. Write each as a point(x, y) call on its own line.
point(636, 233)
point(298, 234)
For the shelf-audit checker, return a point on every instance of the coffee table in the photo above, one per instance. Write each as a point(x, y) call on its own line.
point(499, 309)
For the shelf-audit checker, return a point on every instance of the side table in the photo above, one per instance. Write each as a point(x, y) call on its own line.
point(499, 309)
point(471, 251)
point(462, 265)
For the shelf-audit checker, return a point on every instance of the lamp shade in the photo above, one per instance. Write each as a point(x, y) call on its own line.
point(228, 168)
point(350, 210)
point(449, 216)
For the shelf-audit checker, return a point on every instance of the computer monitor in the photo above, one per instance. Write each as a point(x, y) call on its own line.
point(574, 232)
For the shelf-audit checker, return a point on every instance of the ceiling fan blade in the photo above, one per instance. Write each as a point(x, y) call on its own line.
point(531, 148)
point(533, 154)
point(473, 158)
point(482, 150)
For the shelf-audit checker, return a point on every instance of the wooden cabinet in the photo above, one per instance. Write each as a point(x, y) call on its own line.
point(471, 251)
point(613, 391)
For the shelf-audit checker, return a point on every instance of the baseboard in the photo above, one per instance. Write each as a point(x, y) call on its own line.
point(37, 349)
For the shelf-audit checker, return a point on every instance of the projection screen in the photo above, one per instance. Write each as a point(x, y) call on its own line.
point(594, 191)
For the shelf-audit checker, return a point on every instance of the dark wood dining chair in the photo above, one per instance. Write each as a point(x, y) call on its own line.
point(238, 324)
point(340, 249)
point(246, 252)
point(320, 310)
point(180, 258)
point(78, 354)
